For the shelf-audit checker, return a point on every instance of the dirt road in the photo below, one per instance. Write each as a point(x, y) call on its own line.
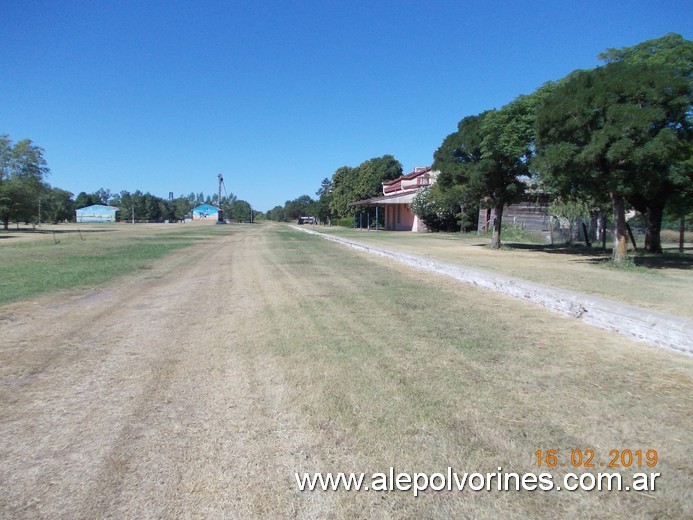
point(136, 401)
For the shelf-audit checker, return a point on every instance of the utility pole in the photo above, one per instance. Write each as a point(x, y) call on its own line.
point(220, 218)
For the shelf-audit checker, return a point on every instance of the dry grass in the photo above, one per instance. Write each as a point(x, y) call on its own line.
point(660, 283)
point(422, 375)
point(198, 392)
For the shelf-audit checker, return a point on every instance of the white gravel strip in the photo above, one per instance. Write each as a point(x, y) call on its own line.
point(655, 328)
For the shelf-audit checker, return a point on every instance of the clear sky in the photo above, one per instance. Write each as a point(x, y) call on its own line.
point(161, 96)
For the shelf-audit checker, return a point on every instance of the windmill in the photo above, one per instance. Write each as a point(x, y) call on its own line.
point(220, 219)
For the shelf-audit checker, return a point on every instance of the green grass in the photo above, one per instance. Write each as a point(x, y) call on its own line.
point(48, 263)
point(659, 282)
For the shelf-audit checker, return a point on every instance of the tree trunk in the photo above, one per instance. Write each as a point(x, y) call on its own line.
point(497, 221)
point(620, 252)
point(652, 210)
point(682, 229)
point(653, 241)
point(6, 223)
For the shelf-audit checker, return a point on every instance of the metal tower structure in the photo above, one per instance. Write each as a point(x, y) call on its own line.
point(220, 218)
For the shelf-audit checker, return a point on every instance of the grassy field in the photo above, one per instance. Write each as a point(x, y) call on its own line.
point(314, 358)
point(58, 257)
point(404, 369)
point(663, 283)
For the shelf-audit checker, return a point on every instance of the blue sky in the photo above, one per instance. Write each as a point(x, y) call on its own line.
point(161, 96)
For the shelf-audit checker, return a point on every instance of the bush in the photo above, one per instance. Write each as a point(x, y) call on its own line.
point(344, 221)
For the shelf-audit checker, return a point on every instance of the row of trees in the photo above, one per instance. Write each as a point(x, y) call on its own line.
point(150, 208)
point(348, 184)
point(609, 138)
point(25, 196)
point(617, 135)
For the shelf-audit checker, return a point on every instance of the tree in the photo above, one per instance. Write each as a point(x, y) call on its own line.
point(373, 172)
point(616, 130)
point(573, 211)
point(22, 173)
point(344, 190)
point(181, 208)
point(58, 205)
point(240, 211)
point(455, 159)
point(323, 210)
point(672, 50)
point(488, 157)
point(440, 209)
point(299, 207)
point(506, 149)
point(668, 176)
point(276, 214)
point(364, 181)
point(84, 199)
point(325, 188)
point(103, 196)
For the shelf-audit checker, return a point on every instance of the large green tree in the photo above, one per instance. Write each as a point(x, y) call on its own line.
point(57, 205)
point(344, 189)
point(489, 156)
point(22, 173)
point(239, 211)
point(299, 207)
point(454, 159)
point(365, 181)
point(323, 208)
point(668, 176)
point(506, 150)
point(616, 130)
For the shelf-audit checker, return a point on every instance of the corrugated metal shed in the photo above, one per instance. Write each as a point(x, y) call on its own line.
point(97, 213)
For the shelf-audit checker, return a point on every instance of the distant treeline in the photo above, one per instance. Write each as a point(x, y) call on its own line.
point(25, 196)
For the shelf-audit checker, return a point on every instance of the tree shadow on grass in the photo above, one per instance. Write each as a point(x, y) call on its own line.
point(664, 261)
point(598, 256)
point(17, 233)
point(61, 231)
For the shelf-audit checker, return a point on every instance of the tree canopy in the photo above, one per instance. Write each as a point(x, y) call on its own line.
point(362, 182)
point(672, 50)
point(22, 180)
point(488, 157)
point(617, 130)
